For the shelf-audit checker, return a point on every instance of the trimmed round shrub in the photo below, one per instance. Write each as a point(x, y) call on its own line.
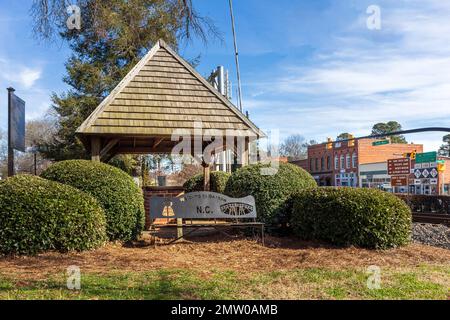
point(38, 215)
point(367, 218)
point(271, 191)
point(218, 182)
point(115, 190)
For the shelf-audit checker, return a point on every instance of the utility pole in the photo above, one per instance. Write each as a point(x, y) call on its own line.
point(10, 148)
point(236, 57)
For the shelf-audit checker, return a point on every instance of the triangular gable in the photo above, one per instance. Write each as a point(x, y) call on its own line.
point(160, 94)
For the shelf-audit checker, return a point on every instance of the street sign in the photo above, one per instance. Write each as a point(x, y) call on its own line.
point(426, 173)
point(400, 166)
point(426, 157)
point(434, 173)
point(399, 181)
point(380, 143)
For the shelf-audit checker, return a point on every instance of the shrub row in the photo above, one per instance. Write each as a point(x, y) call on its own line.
point(290, 199)
point(346, 216)
point(38, 215)
point(115, 190)
point(271, 191)
point(218, 182)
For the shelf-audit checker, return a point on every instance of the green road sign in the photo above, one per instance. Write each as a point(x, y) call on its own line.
point(380, 143)
point(426, 157)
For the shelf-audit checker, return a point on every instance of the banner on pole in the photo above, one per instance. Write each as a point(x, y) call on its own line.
point(17, 123)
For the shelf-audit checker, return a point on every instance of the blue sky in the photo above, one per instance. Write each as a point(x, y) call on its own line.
point(308, 67)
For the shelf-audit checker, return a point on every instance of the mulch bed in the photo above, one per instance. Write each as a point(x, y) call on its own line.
point(206, 254)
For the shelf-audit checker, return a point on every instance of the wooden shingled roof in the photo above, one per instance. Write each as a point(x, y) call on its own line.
point(160, 94)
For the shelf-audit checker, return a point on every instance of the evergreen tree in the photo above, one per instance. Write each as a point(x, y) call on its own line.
point(389, 127)
point(114, 36)
point(444, 150)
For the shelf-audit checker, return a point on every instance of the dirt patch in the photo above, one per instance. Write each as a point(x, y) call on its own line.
point(207, 254)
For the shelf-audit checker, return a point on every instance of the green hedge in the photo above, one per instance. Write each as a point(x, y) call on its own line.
point(271, 192)
point(346, 216)
point(115, 190)
point(218, 182)
point(38, 215)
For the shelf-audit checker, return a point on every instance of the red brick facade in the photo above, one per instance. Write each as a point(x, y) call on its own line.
point(339, 165)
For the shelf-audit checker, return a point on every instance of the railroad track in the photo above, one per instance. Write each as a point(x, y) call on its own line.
point(434, 218)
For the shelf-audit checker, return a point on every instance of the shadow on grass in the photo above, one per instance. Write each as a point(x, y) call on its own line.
point(156, 285)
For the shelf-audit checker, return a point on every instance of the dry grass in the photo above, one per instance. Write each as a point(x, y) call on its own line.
point(206, 254)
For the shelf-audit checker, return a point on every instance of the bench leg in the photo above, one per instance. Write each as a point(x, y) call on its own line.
point(262, 236)
point(182, 236)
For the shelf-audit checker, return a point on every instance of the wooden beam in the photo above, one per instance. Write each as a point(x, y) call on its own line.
point(95, 149)
point(158, 142)
point(108, 148)
point(246, 152)
point(207, 177)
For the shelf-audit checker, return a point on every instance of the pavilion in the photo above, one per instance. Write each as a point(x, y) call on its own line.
point(160, 96)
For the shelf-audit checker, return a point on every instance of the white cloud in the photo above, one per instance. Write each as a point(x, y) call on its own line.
point(399, 73)
point(27, 77)
point(19, 74)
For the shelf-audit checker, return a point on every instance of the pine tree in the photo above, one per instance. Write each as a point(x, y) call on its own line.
point(114, 36)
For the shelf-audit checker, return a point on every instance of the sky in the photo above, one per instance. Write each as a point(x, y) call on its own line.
point(308, 67)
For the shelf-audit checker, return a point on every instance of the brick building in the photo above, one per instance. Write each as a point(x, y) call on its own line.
point(338, 163)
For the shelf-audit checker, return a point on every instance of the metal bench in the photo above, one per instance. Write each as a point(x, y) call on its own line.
point(204, 210)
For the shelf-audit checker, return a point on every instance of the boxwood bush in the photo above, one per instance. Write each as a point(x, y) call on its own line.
point(38, 215)
point(271, 192)
point(346, 216)
point(115, 190)
point(218, 182)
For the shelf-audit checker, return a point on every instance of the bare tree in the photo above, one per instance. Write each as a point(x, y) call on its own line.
point(50, 16)
point(38, 132)
point(294, 147)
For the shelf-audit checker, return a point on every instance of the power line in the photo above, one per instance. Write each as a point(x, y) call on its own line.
point(382, 135)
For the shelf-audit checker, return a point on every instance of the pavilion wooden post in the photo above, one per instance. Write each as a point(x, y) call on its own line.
point(207, 177)
point(245, 157)
point(95, 149)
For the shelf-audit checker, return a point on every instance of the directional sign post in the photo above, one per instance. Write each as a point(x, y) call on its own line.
point(398, 167)
point(426, 157)
point(399, 170)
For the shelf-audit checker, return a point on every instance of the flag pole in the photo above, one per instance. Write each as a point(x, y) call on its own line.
point(238, 71)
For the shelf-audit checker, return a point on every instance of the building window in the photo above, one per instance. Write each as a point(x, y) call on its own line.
point(317, 164)
point(354, 160)
point(342, 162)
point(336, 162)
point(347, 158)
point(328, 163)
point(322, 164)
point(311, 169)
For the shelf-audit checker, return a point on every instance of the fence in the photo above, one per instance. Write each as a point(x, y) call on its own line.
point(427, 204)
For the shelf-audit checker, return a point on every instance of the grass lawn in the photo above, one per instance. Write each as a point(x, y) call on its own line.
point(420, 283)
point(230, 270)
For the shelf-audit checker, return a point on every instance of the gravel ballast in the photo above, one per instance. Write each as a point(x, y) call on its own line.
point(431, 234)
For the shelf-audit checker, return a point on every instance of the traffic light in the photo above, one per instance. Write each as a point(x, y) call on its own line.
point(351, 140)
point(410, 155)
point(441, 166)
point(329, 143)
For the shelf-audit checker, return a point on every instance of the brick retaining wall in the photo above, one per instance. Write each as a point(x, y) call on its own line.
point(160, 192)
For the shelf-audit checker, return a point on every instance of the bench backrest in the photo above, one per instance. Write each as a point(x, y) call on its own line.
point(202, 205)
